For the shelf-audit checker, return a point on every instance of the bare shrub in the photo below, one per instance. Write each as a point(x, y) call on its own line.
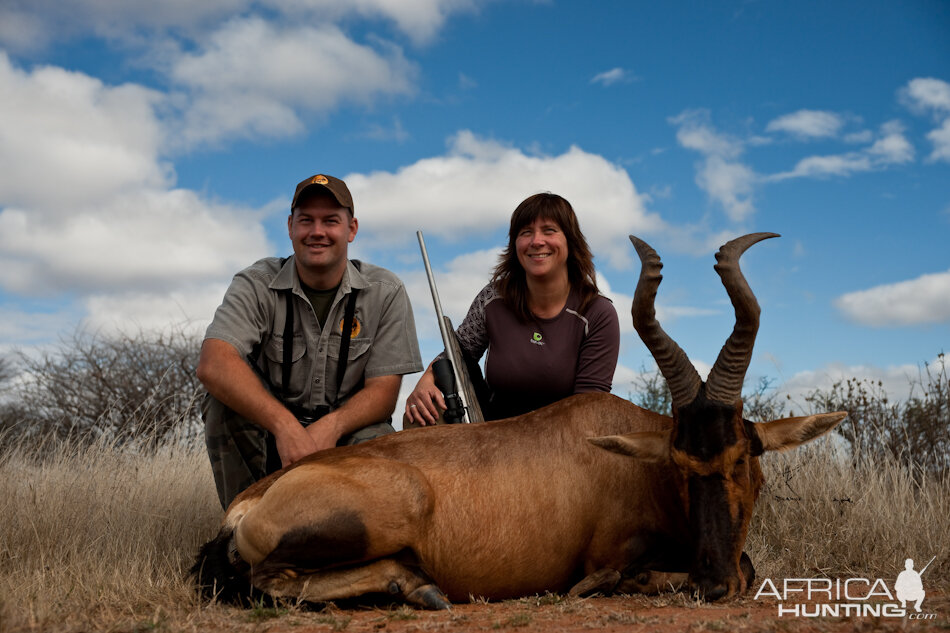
point(651, 392)
point(119, 388)
point(764, 403)
point(915, 430)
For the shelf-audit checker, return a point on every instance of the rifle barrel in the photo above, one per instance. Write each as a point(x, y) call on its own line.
point(449, 352)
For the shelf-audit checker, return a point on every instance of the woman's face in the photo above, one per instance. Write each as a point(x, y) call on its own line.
point(542, 248)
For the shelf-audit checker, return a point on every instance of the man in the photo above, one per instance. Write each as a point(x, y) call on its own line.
point(909, 587)
point(304, 353)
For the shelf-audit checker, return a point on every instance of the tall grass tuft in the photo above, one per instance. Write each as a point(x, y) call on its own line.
point(92, 532)
point(824, 512)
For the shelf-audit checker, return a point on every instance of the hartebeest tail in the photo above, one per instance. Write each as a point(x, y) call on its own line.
point(532, 503)
point(219, 571)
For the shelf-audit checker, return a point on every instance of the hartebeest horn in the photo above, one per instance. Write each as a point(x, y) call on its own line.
point(724, 383)
point(681, 376)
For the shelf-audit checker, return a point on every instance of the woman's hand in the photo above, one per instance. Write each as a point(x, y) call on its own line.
point(426, 402)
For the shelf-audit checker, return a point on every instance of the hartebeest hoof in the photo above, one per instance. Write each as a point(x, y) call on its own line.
point(429, 597)
point(601, 581)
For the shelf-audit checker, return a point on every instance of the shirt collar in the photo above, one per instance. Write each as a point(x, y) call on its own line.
point(287, 277)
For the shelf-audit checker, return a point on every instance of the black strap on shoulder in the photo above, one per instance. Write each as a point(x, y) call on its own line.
point(345, 335)
point(288, 359)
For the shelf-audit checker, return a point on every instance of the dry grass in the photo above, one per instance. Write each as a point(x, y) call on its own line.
point(94, 538)
point(92, 534)
point(822, 515)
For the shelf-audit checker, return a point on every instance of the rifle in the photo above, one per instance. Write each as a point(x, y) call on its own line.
point(451, 376)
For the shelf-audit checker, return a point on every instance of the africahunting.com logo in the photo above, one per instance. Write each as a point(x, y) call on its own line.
point(850, 597)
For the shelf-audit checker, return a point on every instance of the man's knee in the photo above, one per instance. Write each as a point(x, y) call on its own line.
point(237, 450)
point(367, 433)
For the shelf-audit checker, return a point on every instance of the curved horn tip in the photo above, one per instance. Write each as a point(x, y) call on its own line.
point(745, 241)
point(644, 250)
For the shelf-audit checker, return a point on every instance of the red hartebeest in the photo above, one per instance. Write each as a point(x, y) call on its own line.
point(532, 503)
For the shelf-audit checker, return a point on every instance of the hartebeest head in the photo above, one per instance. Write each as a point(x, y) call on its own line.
point(713, 448)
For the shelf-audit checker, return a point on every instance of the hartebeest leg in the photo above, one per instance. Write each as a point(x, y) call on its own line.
point(653, 582)
point(601, 581)
point(382, 576)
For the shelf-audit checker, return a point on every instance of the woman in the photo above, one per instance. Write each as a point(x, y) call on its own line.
point(548, 332)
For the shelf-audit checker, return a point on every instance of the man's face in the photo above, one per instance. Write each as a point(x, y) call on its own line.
point(320, 230)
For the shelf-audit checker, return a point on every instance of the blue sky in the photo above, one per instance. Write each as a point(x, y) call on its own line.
point(150, 151)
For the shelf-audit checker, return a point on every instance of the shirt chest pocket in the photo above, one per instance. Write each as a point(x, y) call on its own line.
point(356, 359)
point(358, 348)
point(299, 365)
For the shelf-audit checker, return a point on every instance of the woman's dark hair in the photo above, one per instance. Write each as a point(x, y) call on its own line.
point(508, 277)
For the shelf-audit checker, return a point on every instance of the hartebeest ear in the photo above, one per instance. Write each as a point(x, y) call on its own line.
point(791, 432)
point(646, 445)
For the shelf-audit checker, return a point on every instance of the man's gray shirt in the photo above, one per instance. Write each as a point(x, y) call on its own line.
point(253, 313)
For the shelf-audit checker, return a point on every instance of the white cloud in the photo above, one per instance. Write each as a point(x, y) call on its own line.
point(69, 139)
point(695, 131)
point(931, 95)
point(190, 306)
point(665, 314)
point(890, 148)
point(86, 203)
point(474, 188)
point(419, 19)
point(20, 31)
point(621, 303)
point(29, 25)
point(253, 78)
point(458, 282)
point(149, 239)
point(823, 166)
point(927, 94)
point(940, 138)
point(611, 77)
point(925, 299)
point(894, 380)
point(729, 183)
point(725, 179)
point(807, 124)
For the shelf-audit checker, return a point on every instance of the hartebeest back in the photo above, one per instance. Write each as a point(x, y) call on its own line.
point(532, 503)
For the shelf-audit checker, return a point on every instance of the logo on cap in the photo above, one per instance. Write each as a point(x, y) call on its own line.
point(319, 180)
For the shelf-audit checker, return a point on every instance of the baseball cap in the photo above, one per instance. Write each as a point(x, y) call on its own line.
point(334, 185)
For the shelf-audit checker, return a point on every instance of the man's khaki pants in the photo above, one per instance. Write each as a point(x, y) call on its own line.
point(241, 452)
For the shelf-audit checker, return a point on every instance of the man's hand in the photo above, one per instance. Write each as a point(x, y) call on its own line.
point(228, 377)
point(325, 432)
point(293, 444)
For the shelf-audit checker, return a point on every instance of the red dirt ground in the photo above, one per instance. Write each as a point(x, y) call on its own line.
point(665, 614)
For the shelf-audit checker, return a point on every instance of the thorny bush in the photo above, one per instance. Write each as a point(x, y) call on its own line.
point(89, 387)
